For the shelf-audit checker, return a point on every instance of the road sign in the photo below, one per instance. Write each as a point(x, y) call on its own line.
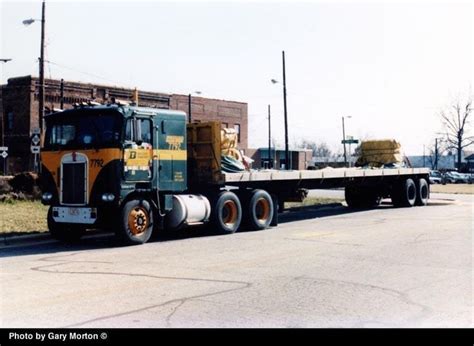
point(35, 149)
point(4, 154)
point(35, 139)
point(350, 141)
point(36, 131)
point(3, 148)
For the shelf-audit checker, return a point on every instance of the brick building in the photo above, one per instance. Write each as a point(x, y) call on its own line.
point(19, 110)
point(300, 159)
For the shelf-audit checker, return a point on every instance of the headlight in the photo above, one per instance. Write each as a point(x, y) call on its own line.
point(108, 197)
point(47, 196)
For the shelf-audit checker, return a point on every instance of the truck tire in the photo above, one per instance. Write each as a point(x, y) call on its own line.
point(137, 222)
point(226, 213)
point(274, 222)
point(258, 210)
point(422, 193)
point(404, 193)
point(65, 232)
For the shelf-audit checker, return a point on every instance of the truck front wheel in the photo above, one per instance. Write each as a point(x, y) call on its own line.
point(226, 213)
point(137, 222)
point(64, 232)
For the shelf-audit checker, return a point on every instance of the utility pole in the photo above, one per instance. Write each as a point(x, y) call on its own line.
point(62, 94)
point(423, 155)
point(287, 153)
point(436, 153)
point(189, 108)
point(269, 139)
point(3, 118)
point(344, 142)
point(41, 71)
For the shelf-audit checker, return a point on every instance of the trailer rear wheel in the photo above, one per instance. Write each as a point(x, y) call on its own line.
point(404, 194)
point(137, 222)
point(275, 211)
point(226, 213)
point(64, 232)
point(259, 210)
point(423, 192)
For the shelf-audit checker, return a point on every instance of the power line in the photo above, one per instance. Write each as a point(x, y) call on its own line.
point(79, 71)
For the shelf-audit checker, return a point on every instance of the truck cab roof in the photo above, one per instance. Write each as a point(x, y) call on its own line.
point(125, 110)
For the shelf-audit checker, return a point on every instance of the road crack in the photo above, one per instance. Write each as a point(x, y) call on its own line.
point(181, 301)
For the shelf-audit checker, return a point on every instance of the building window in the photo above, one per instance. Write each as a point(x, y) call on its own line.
point(9, 121)
point(237, 129)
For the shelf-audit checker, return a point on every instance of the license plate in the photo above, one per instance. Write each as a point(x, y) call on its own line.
point(74, 211)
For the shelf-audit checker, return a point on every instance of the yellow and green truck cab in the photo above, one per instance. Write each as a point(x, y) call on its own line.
point(99, 161)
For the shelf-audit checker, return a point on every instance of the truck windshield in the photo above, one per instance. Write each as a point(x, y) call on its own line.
point(79, 130)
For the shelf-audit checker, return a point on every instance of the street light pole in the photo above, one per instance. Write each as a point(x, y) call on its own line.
point(3, 118)
point(344, 142)
point(287, 154)
point(41, 71)
point(190, 104)
point(269, 139)
point(1, 97)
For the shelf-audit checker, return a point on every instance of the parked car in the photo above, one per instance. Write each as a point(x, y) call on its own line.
point(436, 177)
point(468, 177)
point(456, 178)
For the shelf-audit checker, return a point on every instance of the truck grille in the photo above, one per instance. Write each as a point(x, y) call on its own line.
point(74, 183)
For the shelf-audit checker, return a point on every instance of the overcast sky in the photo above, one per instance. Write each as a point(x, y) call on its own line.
point(390, 66)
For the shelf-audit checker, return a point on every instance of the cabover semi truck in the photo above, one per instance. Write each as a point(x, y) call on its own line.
point(134, 170)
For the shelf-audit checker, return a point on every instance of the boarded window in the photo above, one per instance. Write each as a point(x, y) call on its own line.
point(237, 129)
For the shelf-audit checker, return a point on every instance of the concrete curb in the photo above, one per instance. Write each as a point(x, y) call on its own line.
point(15, 240)
point(19, 239)
point(31, 239)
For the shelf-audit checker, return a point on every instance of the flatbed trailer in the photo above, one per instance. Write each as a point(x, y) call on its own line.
point(364, 187)
point(322, 178)
point(134, 170)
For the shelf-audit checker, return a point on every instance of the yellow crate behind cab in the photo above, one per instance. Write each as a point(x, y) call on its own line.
point(204, 153)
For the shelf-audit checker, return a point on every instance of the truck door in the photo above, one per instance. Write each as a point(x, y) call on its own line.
point(172, 155)
point(138, 149)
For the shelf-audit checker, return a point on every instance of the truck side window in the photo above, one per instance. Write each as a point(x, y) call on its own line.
point(128, 130)
point(145, 125)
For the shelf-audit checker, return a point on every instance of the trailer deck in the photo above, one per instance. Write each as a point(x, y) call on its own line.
point(321, 174)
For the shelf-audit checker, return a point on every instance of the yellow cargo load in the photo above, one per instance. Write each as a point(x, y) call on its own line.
point(376, 153)
point(229, 141)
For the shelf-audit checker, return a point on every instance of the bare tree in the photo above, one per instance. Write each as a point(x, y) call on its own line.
point(435, 153)
point(456, 120)
point(320, 149)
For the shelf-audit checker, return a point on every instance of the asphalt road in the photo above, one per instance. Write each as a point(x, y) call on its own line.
point(320, 268)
